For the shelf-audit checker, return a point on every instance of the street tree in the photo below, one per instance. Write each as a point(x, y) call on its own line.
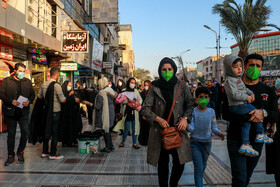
point(142, 74)
point(243, 21)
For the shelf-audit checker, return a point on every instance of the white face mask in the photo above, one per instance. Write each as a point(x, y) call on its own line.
point(146, 87)
point(84, 86)
point(132, 86)
point(69, 88)
point(120, 83)
point(194, 85)
point(110, 85)
point(222, 84)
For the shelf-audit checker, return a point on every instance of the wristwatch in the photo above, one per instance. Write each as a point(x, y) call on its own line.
point(264, 113)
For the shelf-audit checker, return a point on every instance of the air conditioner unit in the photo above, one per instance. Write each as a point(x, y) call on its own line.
point(32, 12)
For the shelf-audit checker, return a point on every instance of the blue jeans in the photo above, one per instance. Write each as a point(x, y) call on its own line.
point(242, 110)
point(242, 166)
point(211, 104)
point(200, 153)
point(126, 130)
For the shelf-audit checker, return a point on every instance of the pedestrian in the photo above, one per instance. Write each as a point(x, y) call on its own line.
point(104, 114)
point(213, 95)
point(91, 94)
point(156, 109)
point(242, 166)
point(202, 126)
point(71, 121)
point(144, 124)
point(219, 101)
point(15, 111)
point(130, 115)
point(239, 99)
point(53, 96)
point(120, 87)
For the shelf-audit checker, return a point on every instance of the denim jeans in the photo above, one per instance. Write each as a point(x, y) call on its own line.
point(163, 168)
point(126, 130)
point(54, 134)
point(211, 104)
point(245, 109)
point(242, 166)
point(200, 154)
point(24, 131)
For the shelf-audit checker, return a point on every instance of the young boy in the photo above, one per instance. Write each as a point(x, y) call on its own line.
point(239, 98)
point(201, 127)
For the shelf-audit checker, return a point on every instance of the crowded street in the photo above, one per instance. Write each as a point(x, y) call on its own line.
point(122, 167)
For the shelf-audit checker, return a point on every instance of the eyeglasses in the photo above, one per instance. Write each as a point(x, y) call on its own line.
point(169, 69)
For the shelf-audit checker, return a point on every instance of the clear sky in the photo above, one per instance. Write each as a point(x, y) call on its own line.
point(163, 28)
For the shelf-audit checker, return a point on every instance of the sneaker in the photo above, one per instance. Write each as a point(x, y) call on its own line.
point(263, 138)
point(20, 157)
point(266, 139)
point(10, 160)
point(44, 155)
point(56, 157)
point(248, 150)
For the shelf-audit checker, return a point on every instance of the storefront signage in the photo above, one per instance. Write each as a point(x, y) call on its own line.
point(69, 67)
point(105, 11)
point(107, 65)
point(97, 55)
point(270, 73)
point(75, 41)
point(83, 73)
point(6, 52)
point(39, 56)
point(6, 38)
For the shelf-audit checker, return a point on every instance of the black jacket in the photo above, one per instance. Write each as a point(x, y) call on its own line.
point(8, 93)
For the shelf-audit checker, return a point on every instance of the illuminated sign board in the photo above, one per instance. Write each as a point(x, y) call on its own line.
point(39, 56)
point(75, 41)
point(69, 67)
point(83, 73)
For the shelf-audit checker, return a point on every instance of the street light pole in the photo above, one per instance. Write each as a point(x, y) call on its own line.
point(179, 58)
point(218, 47)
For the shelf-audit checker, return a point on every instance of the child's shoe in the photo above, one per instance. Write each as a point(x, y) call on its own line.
point(263, 138)
point(248, 150)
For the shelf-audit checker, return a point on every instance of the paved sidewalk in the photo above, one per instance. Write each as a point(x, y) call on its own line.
point(123, 167)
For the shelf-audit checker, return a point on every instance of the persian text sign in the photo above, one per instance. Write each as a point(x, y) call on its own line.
point(69, 67)
point(75, 41)
point(107, 65)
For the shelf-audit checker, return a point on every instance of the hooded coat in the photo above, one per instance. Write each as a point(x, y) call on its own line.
point(235, 88)
point(156, 105)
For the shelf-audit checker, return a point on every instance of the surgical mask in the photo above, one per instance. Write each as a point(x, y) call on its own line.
point(194, 85)
point(253, 73)
point(146, 88)
point(110, 85)
point(120, 83)
point(69, 88)
point(132, 86)
point(84, 86)
point(203, 102)
point(222, 84)
point(21, 75)
point(167, 75)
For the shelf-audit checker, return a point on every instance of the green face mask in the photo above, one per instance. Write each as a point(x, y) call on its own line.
point(253, 73)
point(203, 102)
point(167, 75)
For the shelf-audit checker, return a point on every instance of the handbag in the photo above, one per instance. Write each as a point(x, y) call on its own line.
point(171, 136)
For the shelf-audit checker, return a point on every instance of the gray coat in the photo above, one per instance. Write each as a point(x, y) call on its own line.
point(236, 90)
point(154, 106)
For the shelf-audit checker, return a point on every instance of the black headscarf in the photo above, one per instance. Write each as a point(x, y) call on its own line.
point(128, 89)
point(120, 88)
point(167, 87)
point(64, 88)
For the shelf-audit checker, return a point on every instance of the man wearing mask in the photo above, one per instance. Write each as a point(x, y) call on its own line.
point(10, 90)
point(52, 93)
point(242, 166)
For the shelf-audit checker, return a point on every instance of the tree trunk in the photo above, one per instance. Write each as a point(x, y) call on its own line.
point(243, 54)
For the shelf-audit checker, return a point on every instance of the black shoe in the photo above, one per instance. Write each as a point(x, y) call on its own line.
point(112, 148)
point(105, 150)
point(121, 133)
point(136, 146)
point(129, 133)
point(10, 160)
point(20, 157)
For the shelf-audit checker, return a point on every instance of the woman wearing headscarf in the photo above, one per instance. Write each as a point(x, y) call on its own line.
point(144, 124)
point(156, 109)
point(130, 115)
point(104, 114)
point(71, 121)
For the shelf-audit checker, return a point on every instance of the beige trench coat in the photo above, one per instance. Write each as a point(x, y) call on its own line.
point(154, 106)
